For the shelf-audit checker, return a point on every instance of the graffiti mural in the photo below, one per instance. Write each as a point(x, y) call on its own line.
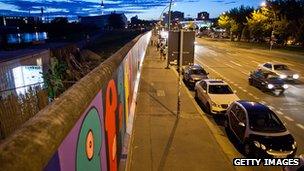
point(97, 139)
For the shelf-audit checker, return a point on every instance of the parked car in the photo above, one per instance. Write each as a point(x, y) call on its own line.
point(216, 95)
point(281, 70)
point(267, 81)
point(194, 73)
point(260, 130)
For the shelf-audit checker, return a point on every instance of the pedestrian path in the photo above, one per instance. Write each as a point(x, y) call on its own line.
point(162, 141)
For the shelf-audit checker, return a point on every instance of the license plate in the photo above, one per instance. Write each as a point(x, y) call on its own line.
point(280, 156)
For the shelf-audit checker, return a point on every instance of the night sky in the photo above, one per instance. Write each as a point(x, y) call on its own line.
point(145, 9)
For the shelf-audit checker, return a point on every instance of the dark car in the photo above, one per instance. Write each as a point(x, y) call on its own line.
point(193, 74)
point(267, 82)
point(260, 131)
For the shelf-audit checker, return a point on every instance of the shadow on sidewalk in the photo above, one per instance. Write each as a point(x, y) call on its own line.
point(168, 146)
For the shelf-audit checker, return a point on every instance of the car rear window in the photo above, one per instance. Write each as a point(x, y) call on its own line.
point(264, 120)
point(280, 67)
point(220, 89)
point(198, 72)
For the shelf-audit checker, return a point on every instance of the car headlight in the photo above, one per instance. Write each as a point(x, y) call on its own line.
point(294, 145)
point(270, 86)
point(285, 86)
point(259, 145)
point(263, 147)
point(215, 105)
point(295, 76)
point(282, 76)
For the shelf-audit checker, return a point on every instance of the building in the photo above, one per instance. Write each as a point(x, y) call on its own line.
point(139, 24)
point(175, 16)
point(203, 15)
point(101, 21)
point(18, 20)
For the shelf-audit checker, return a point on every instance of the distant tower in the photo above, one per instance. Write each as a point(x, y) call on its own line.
point(102, 7)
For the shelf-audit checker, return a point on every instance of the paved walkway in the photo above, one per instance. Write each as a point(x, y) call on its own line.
point(161, 141)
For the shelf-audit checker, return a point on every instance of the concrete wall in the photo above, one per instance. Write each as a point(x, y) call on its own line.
point(87, 127)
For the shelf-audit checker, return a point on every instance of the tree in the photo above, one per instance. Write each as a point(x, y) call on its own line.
point(115, 21)
point(260, 24)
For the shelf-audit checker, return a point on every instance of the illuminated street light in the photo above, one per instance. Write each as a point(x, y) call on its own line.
point(263, 4)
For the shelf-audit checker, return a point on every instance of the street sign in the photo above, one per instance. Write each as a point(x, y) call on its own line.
point(174, 47)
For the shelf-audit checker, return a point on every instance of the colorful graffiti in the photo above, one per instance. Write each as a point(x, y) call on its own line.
point(97, 139)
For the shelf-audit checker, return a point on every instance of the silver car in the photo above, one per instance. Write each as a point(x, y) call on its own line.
point(281, 70)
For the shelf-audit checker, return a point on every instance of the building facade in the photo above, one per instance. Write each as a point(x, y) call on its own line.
point(101, 21)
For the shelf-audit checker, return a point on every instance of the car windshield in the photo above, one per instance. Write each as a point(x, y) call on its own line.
point(220, 89)
point(198, 72)
point(280, 67)
point(264, 120)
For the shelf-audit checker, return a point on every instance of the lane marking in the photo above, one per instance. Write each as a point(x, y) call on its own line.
point(256, 98)
point(300, 126)
point(263, 102)
point(250, 94)
point(271, 107)
point(288, 118)
point(236, 63)
point(230, 66)
point(279, 112)
point(256, 62)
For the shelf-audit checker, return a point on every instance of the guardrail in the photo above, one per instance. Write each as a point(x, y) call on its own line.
point(86, 127)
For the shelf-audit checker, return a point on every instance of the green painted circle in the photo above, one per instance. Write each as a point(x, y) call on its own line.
point(90, 122)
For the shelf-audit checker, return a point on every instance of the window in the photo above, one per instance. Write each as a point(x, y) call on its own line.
point(280, 67)
point(220, 89)
point(264, 120)
point(267, 65)
point(241, 115)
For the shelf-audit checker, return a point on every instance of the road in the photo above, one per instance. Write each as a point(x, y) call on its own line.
point(233, 64)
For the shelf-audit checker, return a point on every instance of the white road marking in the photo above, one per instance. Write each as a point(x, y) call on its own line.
point(256, 98)
point(271, 107)
point(300, 126)
point(289, 109)
point(288, 118)
point(263, 102)
point(244, 73)
point(230, 66)
point(236, 63)
point(279, 112)
point(250, 94)
point(256, 62)
point(245, 91)
point(216, 59)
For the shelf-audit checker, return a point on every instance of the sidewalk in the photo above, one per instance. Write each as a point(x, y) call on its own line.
point(159, 140)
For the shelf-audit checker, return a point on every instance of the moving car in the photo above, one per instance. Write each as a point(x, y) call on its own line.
point(260, 130)
point(194, 73)
point(267, 81)
point(281, 70)
point(216, 95)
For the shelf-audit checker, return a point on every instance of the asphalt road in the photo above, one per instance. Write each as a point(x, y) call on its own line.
point(233, 64)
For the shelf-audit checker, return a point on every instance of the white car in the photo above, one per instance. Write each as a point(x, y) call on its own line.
point(281, 70)
point(216, 95)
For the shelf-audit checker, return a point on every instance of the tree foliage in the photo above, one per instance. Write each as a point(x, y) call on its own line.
point(283, 19)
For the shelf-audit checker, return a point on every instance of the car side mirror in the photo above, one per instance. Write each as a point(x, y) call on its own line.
point(241, 124)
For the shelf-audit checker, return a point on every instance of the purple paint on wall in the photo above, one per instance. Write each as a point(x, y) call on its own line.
point(67, 149)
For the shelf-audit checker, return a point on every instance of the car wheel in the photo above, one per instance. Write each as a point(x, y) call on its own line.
point(250, 82)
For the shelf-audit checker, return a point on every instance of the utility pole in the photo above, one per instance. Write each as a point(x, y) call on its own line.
point(169, 28)
point(180, 73)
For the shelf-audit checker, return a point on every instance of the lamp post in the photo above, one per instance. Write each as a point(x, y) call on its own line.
point(264, 5)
